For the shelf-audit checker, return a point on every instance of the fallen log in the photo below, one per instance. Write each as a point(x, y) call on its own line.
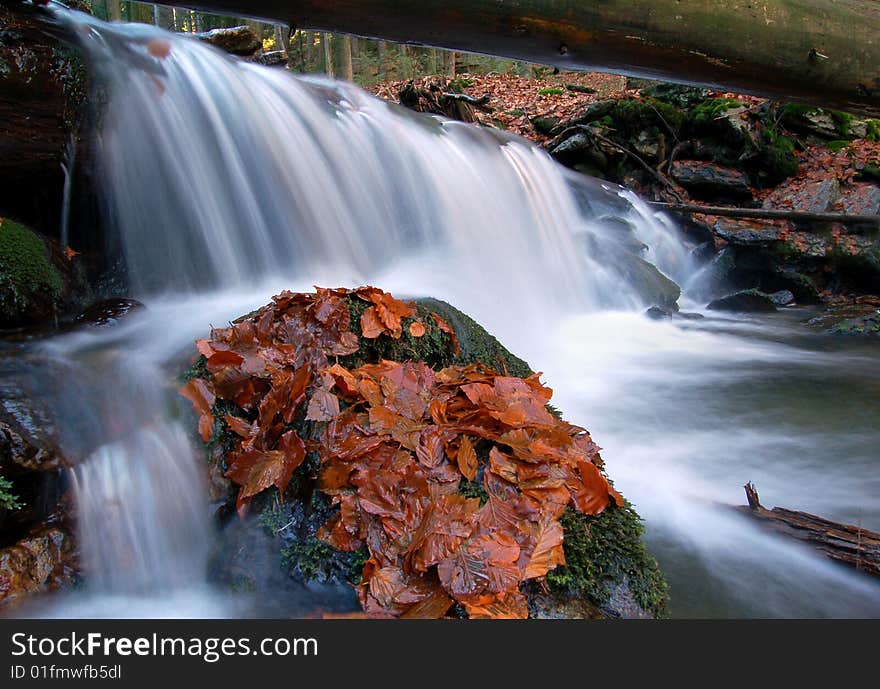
point(852, 545)
point(823, 52)
point(768, 214)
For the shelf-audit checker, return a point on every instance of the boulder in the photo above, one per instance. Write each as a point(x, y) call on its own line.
point(236, 40)
point(747, 233)
point(813, 197)
point(43, 560)
point(710, 181)
point(861, 199)
point(607, 571)
point(782, 298)
point(544, 125)
point(750, 300)
point(108, 312)
point(38, 281)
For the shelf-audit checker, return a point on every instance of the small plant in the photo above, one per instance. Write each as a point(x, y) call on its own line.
point(551, 91)
point(8, 500)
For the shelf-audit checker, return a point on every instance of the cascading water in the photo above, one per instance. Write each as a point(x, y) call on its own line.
point(228, 182)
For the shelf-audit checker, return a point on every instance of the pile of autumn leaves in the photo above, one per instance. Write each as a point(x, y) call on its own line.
point(395, 442)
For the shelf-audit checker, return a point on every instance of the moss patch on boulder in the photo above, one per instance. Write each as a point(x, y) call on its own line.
point(30, 286)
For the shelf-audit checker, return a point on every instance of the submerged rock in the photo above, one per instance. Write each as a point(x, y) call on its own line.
point(108, 312)
point(315, 527)
point(747, 300)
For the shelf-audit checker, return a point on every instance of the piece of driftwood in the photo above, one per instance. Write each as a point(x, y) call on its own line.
point(769, 214)
point(846, 543)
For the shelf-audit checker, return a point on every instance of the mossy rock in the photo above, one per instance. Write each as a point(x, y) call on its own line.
point(30, 286)
point(38, 283)
point(609, 572)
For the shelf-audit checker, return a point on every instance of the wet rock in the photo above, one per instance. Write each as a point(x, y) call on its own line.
point(658, 313)
point(608, 570)
point(236, 40)
point(676, 94)
point(861, 199)
point(273, 58)
point(711, 181)
point(41, 561)
point(751, 233)
point(108, 312)
point(750, 300)
point(817, 122)
point(596, 111)
point(815, 197)
point(782, 298)
point(28, 439)
point(572, 148)
point(860, 325)
point(39, 283)
point(42, 95)
point(544, 125)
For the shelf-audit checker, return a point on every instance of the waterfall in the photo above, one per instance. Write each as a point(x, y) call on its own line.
point(227, 181)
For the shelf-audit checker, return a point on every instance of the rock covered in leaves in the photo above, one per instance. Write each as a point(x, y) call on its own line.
point(451, 481)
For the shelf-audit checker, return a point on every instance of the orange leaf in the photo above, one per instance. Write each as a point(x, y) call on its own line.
point(467, 459)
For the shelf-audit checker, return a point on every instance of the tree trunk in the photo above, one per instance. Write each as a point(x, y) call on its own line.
point(346, 68)
point(823, 51)
point(328, 55)
point(450, 64)
point(114, 10)
point(405, 72)
point(310, 49)
point(380, 52)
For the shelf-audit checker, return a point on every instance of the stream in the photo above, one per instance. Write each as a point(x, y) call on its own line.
point(229, 182)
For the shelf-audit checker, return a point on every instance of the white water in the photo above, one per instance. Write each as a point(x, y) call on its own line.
point(229, 182)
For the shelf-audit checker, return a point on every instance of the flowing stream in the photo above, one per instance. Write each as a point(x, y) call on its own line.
point(228, 182)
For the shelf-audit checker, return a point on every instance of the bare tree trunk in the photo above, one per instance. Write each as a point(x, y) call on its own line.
point(450, 64)
point(404, 62)
point(380, 51)
point(310, 49)
point(822, 51)
point(328, 55)
point(114, 10)
point(347, 70)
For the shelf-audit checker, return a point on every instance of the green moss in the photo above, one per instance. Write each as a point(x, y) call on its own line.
point(795, 111)
point(837, 145)
point(308, 556)
point(713, 108)
point(551, 91)
point(459, 84)
point(473, 489)
point(601, 552)
point(779, 160)
point(475, 344)
point(842, 122)
point(872, 128)
point(27, 277)
point(8, 500)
